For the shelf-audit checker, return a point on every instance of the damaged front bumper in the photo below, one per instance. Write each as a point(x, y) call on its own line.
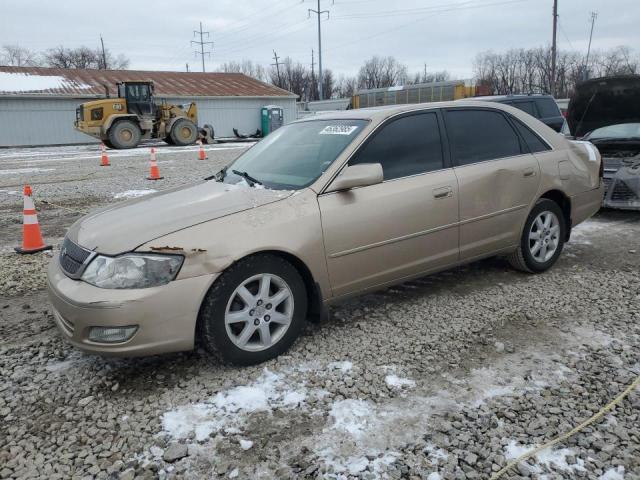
point(622, 182)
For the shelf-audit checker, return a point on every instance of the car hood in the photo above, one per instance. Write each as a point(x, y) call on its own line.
point(601, 102)
point(123, 227)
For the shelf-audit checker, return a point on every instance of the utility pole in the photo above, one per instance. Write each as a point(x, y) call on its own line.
point(594, 15)
point(313, 76)
point(277, 65)
point(424, 78)
point(104, 55)
point(202, 43)
point(187, 67)
point(319, 13)
point(553, 48)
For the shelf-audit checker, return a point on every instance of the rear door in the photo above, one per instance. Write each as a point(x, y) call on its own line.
point(497, 175)
point(550, 113)
point(404, 226)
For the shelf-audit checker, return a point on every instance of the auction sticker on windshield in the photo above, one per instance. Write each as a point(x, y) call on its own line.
point(338, 130)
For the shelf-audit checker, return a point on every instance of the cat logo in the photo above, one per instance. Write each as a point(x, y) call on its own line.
point(117, 106)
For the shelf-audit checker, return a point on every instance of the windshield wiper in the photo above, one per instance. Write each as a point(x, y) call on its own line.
point(250, 180)
point(218, 176)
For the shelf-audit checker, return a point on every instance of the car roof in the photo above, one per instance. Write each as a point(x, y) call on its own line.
point(500, 98)
point(382, 112)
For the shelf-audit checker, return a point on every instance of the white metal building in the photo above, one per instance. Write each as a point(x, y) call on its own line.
point(37, 105)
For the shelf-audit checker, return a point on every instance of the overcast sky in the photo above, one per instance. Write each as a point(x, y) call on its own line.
point(444, 35)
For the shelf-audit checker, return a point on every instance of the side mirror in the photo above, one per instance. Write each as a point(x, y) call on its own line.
point(360, 175)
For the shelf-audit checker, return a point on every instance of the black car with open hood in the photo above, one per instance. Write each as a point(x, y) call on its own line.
point(606, 112)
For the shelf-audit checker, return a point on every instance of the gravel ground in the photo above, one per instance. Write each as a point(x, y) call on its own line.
point(446, 377)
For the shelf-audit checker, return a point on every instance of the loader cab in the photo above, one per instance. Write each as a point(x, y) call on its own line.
point(139, 97)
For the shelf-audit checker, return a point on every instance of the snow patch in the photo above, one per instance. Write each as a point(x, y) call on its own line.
point(230, 408)
point(351, 416)
point(557, 458)
point(134, 193)
point(613, 474)
point(22, 82)
point(397, 382)
point(246, 444)
point(20, 171)
point(344, 367)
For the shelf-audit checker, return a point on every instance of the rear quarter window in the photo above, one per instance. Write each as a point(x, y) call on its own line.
point(532, 140)
point(548, 108)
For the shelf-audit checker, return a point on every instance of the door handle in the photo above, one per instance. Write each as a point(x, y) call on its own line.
point(529, 172)
point(443, 192)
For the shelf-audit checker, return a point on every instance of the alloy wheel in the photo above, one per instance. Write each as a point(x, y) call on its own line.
point(544, 236)
point(259, 312)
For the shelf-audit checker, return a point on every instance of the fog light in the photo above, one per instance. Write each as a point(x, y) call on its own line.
point(111, 334)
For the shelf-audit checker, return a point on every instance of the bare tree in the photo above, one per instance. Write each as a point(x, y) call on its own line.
point(17, 56)
point(84, 57)
point(346, 87)
point(247, 67)
point(382, 72)
point(529, 71)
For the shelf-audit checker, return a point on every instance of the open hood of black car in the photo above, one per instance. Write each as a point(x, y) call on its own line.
point(604, 101)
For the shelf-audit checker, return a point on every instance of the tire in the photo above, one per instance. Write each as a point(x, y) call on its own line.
point(235, 329)
point(108, 144)
point(168, 140)
point(533, 255)
point(124, 134)
point(183, 132)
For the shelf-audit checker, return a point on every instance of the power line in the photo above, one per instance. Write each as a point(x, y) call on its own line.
point(459, 7)
point(202, 43)
point(319, 13)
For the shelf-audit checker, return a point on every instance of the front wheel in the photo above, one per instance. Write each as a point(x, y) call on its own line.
point(254, 311)
point(183, 132)
point(542, 239)
point(124, 134)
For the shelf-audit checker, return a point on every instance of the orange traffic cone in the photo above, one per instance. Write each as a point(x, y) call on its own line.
point(154, 171)
point(31, 237)
point(104, 158)
point(201, 153)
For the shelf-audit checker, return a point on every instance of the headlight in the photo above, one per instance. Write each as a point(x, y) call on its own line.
point(132, 270)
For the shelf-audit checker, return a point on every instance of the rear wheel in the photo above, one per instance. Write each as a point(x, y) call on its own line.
point(124, 134)
point(184, 132)
point(542, 239)
point(254, 311)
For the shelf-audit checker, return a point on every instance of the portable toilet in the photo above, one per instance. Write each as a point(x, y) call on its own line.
point(272, 118)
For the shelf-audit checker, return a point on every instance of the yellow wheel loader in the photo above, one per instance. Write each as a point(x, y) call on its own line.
point(133, 116)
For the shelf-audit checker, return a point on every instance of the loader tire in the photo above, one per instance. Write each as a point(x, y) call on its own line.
point(168, 140)
point(124, 134)
point(184, 132)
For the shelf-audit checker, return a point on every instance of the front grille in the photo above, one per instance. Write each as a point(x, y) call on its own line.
point(622, 193)
point(72, 257)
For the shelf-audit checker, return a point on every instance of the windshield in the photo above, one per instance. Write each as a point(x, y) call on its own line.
point(622, 130)
point(294, 156)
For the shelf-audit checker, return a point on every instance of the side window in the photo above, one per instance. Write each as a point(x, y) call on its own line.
point(406, 146)
point(527, 107)
point(478, 135)
point(548, 107)
point(533, 141)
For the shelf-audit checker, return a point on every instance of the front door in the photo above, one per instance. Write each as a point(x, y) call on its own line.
point(498, 178)
point(402, 227)
point(139, 101)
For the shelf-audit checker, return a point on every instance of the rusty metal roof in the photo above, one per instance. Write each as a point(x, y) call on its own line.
point(89, 83)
